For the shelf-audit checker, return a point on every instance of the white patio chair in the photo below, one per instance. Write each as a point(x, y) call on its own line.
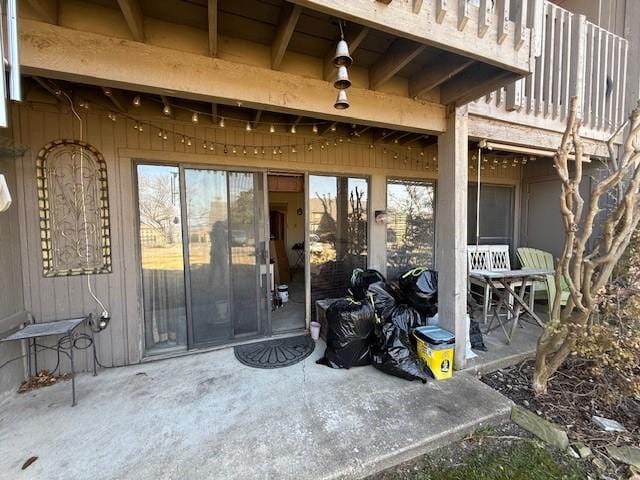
point(494, 258)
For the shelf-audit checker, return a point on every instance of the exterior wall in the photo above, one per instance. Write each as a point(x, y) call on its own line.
point(57, 298)
point(11, 297)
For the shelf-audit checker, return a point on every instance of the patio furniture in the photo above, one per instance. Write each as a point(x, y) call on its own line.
point(545, 289)
point(505, 284)
point(65, 330)
point(493, 258)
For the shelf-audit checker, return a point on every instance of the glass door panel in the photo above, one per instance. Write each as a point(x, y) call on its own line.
point(337, 233)
point(225, 231)
point(208, 255)
point(160, 234)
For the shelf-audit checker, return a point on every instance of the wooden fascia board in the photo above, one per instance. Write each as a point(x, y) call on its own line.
point(66, 54)
point(212, 20)
point(399, 19)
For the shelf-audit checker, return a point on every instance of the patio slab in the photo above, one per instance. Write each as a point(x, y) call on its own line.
point(208, 416)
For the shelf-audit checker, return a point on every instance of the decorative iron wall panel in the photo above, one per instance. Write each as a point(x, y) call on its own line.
point(73, 201)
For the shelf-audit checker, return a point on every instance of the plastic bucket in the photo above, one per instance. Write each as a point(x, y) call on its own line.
point(315, 330)
point(283, 293)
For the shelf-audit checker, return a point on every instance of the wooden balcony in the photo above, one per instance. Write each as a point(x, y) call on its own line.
point(574, 57)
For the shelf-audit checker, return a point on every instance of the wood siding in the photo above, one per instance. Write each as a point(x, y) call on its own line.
point(62, 297)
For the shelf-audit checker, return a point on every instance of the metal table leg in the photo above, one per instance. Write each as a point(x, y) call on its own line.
point(73, 372)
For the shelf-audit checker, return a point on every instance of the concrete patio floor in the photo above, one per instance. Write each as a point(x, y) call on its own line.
point(208, 416)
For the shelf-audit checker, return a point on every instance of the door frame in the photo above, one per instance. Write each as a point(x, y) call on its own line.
point(190, 346)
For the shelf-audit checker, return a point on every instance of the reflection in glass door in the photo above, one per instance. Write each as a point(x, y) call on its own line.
point(225, 247)
point(202, 242)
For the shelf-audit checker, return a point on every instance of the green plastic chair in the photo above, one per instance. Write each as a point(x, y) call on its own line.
point(544, 290)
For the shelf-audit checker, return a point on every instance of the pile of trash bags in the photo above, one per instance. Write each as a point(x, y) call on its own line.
point(374, 324)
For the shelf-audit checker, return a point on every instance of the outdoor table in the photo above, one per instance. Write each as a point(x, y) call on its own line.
point(500, 282)
point(65, 329)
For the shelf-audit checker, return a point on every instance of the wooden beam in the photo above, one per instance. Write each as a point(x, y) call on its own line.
point(473, 84)
point(288, 21)
point(398, 19)
point(463, 14)
point(47, 87)
point(484, 20)
point(212, 15)
point(503, 20)
point(134, 18)
point(115, 97)
point(381, 136)
point(398, 55)
point(444, 67)
point(146, 68)
point(354, 35)
point(47, 9)
point(417, 5)
point(256, 119)
point(441, 10)
point(408, 140)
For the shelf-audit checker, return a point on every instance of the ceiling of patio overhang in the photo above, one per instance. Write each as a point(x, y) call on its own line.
point(388, 62)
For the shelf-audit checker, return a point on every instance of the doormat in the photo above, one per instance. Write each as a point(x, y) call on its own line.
point(276, 353)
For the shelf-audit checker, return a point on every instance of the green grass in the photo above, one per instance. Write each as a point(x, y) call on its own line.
point(526, 460)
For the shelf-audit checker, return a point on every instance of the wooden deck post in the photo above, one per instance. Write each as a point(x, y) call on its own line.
point(451, 229)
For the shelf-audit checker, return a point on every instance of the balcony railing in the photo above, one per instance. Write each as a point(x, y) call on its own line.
point(575, 57)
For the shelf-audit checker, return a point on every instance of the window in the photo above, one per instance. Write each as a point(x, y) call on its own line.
point(496, 215)
point(73, 200)
point(410, 225)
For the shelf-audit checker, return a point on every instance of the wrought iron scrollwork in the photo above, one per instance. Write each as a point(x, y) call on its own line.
point(73, 200)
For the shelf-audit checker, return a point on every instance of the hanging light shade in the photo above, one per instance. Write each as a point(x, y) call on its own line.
point(342, 79)
point(342, 101)
point(342, 57)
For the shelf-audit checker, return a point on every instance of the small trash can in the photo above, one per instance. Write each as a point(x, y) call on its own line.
point(435, 350)
point(283, 293)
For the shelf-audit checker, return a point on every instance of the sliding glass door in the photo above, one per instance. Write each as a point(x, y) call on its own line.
point(219, 257)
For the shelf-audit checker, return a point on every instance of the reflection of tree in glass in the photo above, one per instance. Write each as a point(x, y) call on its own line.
point(242, 208)
point(327, 227)
point(356, 224)
point(157, 209)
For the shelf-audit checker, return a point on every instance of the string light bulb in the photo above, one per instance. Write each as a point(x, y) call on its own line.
point(221, 122)
point(248, 127)
point(159, 133)
point(195, 117)
point(255, 150)
point(226, 150)
point(212, 147)
point(332, 128)
point(166, 110)
point(293, 129)
point(182, 140)
point(272, 129)
point(233, 150)
point(165, 136)
point(188, 142)
point(314, 129)
point(293, 149)
point(137, 101)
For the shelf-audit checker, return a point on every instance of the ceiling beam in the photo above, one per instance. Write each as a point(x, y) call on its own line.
point(381, 136)
point(214, 113)
point(49, 88)
point(288, 21)
point(474, 83)
point(398, 55)
point(437, 72)
point(354, 35)
point(47, 9)
point(332, 127)
point(115, 97)
point(412, 139)
point(256, 118)
point(134, 18)
point(156, 70)
point(212, 14)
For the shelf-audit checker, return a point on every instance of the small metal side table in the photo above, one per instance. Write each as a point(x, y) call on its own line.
point(499, 280)
point(66, 330)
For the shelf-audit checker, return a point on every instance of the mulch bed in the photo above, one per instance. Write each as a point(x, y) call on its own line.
point(573, 397)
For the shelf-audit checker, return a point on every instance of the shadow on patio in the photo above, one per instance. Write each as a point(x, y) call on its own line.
point(208, 416)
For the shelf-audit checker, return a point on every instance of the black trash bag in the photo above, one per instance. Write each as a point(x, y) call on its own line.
point(393, 353)
point(360, 281)
point(420, 286)
point(475, 336)
point(384, 300)
point(349, 334)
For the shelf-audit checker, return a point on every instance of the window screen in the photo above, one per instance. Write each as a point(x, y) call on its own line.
point(496, 215)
